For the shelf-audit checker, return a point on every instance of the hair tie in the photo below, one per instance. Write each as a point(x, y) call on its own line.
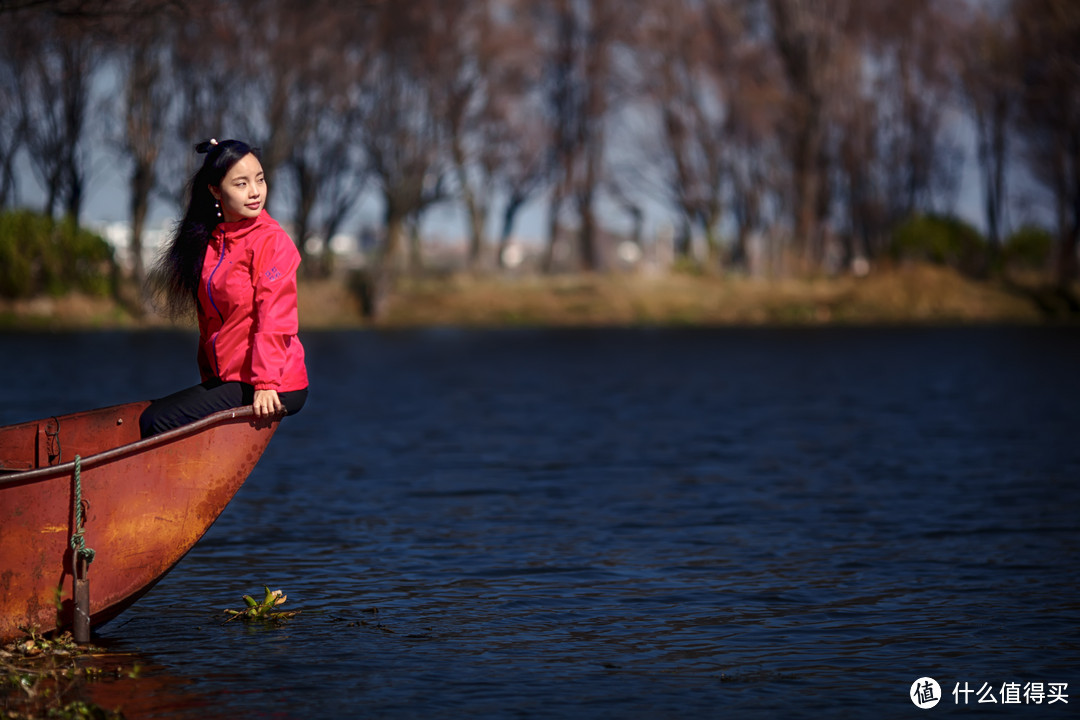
point(206, 145)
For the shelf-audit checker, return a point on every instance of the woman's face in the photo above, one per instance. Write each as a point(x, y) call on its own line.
point(242, 192)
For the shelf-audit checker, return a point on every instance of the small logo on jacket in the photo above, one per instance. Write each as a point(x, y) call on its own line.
point(272, 274)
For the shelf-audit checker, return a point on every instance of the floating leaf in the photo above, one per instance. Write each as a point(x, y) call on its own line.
point(264, 610)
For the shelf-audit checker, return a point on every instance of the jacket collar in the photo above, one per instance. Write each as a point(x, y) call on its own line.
point(241, 228)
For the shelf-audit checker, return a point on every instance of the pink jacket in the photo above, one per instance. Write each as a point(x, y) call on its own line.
point(247, 307)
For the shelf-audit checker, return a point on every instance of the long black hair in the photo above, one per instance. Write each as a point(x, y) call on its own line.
point(173, 283)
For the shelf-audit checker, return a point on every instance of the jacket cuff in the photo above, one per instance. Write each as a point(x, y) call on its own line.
point(266, 386)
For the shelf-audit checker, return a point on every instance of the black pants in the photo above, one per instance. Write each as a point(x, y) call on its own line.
point(210, 397)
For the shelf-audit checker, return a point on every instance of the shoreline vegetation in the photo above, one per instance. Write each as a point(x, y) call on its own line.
point(937, 270)
point(906, 293)
point(53, 677)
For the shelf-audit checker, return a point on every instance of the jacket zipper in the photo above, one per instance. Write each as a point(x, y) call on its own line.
point(210, 296)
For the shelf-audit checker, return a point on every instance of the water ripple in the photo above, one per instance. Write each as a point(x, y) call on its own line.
point(632, 524)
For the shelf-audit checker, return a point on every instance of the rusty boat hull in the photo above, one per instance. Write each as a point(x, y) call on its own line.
point(146, 503)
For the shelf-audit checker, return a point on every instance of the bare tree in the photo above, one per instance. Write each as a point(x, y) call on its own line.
point(402, 147)
point(990, 85)
point(402, 139)
point(205, 80)
point(12, 120)
point(459, 57)
point(675, 81)
point(328, 176)
point(851, 162)
point(581, 84)
point(1049, 63)
point(85, 10)
point(147, 103)
point(273, 40)
point(563, 100)
point(779, 118)
point(687, 56)
point(861, 179)
point(756, 171)
point(807, 35)
point(497, 134)
point(298, 84)
point(927, 72)
point(518, 142)
point(889, 156)
point(601, 34)
point(55, 93)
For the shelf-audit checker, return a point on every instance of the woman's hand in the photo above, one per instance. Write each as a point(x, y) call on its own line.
point(267, 403)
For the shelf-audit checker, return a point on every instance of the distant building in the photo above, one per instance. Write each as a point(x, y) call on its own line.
point(118, 235)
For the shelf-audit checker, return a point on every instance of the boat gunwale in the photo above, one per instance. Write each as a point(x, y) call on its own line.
point(22, 477)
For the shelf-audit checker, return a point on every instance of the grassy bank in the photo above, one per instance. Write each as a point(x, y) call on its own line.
point(915, 294)
point(907, 294)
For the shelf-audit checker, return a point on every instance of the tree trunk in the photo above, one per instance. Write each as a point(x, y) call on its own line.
point(141, 185)
point(416, 258)
point(587, 236)
point(513, 205)
point(477, 242)
point(547, 263)
point(391, 258)
point(714, 259)
point(807, 191)
point(472, 210)
point(7, 173)
point(1068, 267)
point(305, 201)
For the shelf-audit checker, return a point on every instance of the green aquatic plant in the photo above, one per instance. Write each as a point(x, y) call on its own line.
point(265, 610)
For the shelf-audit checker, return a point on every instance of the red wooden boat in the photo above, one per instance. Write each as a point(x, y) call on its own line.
point(145, 502)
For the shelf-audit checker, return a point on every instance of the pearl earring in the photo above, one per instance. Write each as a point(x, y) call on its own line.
point(217, 206)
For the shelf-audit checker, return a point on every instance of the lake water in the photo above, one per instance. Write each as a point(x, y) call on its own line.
point(620, 524)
